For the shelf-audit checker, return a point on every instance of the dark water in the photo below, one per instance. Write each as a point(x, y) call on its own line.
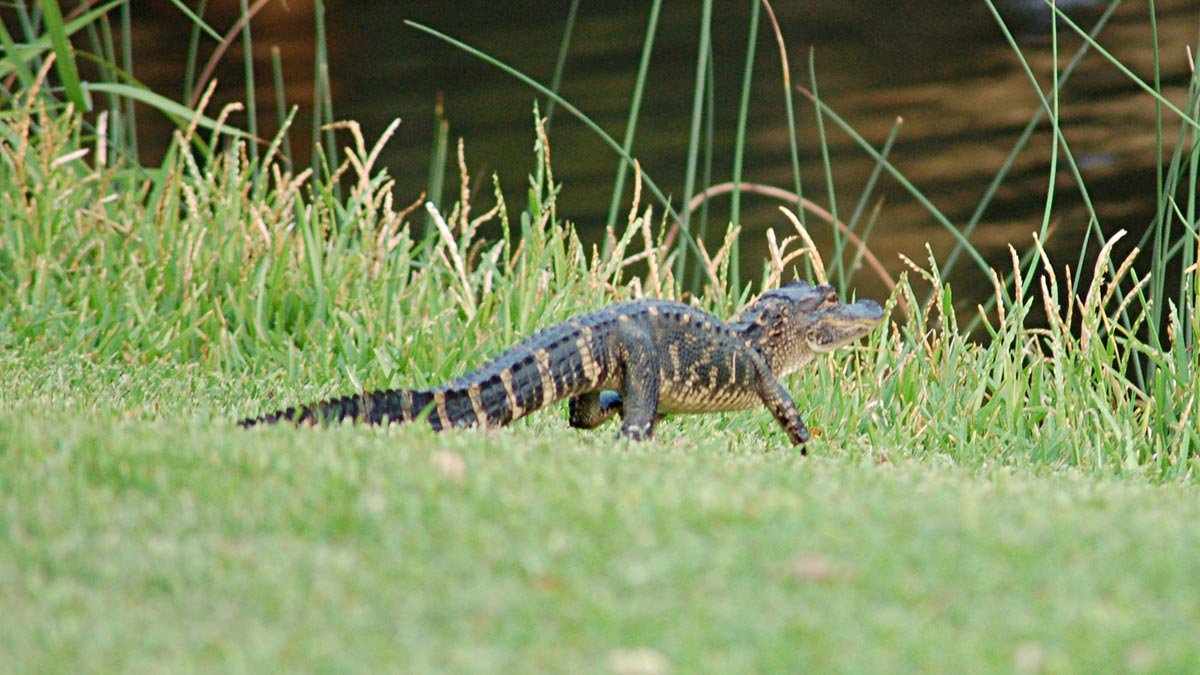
point(943, 66)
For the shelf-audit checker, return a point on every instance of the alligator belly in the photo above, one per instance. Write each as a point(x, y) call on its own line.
point(697, 399)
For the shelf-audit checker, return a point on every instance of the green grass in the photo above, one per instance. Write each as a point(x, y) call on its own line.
point(140, 530)
point(173, 542)
point(1023, 501)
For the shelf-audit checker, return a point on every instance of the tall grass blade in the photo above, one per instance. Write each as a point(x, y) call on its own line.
point(14, 59)
point(281, 111)
point(320, 90)
point(839, 269)
point(65, 63)
point(195, 18)
point(560, 62)
point(635, 108)
point(248, 74)
point(861, 206)
point(739, 148)
point(699, 85)
point(437, 164)
point(176, 111)
point(190, 72)
point(128, 127)
point(790, 108)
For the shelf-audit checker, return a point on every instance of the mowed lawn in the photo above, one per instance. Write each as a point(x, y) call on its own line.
point(141, 531)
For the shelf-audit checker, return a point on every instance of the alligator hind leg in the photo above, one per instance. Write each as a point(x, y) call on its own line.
point(590, 410)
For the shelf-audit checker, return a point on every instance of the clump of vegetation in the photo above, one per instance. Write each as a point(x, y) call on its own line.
point(240, 267)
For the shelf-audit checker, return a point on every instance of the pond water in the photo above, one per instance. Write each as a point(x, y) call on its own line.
point(942, 66)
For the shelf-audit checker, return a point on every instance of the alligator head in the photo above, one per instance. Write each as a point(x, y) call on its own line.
point(794, 323)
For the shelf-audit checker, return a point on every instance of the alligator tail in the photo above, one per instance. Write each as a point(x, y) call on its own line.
point(394, 405)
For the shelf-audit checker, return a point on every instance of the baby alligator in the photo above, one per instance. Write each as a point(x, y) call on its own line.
point(640, 359)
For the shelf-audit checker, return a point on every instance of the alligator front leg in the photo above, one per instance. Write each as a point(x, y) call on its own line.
point(779, 401)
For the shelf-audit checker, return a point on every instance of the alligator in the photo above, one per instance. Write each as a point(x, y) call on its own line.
point(640, 359)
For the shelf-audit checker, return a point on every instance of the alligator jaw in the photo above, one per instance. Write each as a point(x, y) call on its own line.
point(842, 324)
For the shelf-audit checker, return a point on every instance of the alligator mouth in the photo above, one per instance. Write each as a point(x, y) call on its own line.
point(842, 324)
